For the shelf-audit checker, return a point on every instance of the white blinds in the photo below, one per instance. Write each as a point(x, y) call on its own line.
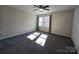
point(44, 21)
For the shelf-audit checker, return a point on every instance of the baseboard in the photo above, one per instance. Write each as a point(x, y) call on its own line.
point(56, 34)
point(14, 35)
point(60, 35)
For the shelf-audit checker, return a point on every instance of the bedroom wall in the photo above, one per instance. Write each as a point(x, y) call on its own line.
point(75, 29)
point(62, 23)
point(14, 22)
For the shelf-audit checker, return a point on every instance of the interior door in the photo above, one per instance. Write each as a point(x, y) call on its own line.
point(44, 23)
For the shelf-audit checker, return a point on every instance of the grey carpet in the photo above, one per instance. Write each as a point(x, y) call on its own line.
point(20, 44)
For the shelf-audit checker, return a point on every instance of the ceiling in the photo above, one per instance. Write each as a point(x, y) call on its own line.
point(53, 8)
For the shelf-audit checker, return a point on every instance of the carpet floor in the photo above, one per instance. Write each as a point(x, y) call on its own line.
point(54, 44)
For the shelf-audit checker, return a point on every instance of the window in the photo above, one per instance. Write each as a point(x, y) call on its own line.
point(44, 21)
point(40, 21)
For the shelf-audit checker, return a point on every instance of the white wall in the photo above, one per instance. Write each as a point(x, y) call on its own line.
point(14, 22)
point(75, 30)
point(62, 23)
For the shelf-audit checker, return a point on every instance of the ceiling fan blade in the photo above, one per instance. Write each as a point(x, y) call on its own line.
point(36, 5)
point(46, 9)
point(46, 6)
point(35, 9)
point(39, 6)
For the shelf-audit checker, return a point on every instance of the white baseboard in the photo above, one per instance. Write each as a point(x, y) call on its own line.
point(12, 35)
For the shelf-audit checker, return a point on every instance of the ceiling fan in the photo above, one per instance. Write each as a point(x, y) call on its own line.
point(41, 7)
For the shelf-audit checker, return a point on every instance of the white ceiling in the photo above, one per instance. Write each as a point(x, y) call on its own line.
point(53, 8)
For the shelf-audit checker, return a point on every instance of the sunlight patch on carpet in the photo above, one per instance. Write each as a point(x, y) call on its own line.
point(33, 35)
point(42, 39)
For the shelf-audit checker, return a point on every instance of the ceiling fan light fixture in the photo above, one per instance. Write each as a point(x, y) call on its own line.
point(41, 10)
